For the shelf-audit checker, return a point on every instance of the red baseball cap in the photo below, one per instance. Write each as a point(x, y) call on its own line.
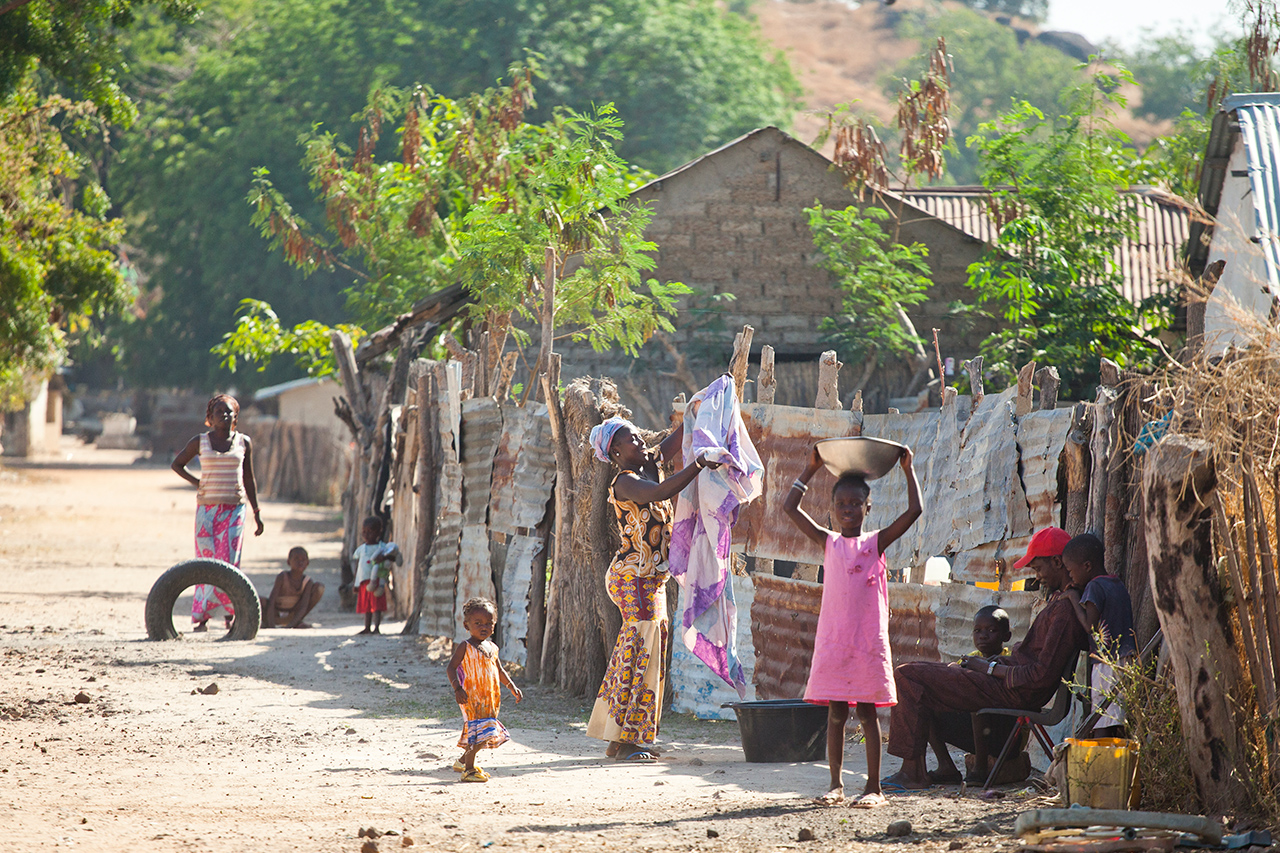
point(1047, 542)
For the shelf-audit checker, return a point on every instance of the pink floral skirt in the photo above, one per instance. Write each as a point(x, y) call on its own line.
point(220, 535)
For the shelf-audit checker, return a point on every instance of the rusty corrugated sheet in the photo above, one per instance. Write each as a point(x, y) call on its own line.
point(913, 632)
point(938, 465)
point(475, 572)
point(524, 470)
point(695, 688)
point(989, 502)
point(1041, 438)
point(481, 432)
point(782, 436)
point(520, 553)
point(920, 431)
point(784, 621)
point(437, 617)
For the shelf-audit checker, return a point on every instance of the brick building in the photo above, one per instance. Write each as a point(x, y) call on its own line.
point(733, 222)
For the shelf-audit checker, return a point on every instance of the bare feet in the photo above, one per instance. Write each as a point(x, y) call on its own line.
point(834, 797)
point(375, 631)
point(302, 625)
point(365, 631)
point(941, 777)
point(201, 627)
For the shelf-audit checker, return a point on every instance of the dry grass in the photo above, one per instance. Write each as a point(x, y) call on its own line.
point(1229, 398)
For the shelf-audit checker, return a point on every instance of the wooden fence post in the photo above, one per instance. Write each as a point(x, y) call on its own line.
point(1076, 453)
point(974, 368)
point(828, 381)
point(564, 488)
point(741, 356)
point(1179, 482)
point(428, 468)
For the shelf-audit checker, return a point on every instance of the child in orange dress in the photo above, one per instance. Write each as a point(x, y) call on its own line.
point(475, 674)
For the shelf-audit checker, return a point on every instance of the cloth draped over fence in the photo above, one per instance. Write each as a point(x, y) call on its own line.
point(702, 532)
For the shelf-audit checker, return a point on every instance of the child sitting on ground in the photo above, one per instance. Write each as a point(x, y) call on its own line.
point(851, 657)
point(373, 557)
point(293, 595)
point(475, 674)
point(1106, 611)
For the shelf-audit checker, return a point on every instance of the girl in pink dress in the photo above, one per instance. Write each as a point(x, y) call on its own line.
point(851, 659)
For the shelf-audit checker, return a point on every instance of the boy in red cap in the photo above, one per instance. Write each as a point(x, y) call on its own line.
point(1025, 679)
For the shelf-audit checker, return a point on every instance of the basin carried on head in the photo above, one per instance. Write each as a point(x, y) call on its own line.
point(782, 730)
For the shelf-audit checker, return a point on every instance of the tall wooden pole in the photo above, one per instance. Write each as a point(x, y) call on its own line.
point(1179, 484)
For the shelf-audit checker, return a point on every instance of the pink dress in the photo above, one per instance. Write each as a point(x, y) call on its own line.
point(851, 658)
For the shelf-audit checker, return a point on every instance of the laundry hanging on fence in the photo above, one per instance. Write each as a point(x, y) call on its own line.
point(702, 532)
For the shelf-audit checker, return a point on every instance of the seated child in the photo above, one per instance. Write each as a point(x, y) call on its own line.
point(293, 595)
point(977, 735)
point(373, 565)
point(1106, 611)
point(475, 674)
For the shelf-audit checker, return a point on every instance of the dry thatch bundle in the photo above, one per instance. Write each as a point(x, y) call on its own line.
point(1230, 399)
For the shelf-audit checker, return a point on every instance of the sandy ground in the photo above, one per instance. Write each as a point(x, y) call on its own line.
point(315, 734)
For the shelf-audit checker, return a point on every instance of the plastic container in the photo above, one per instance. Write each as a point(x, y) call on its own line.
point(782, 730)
point(1102, 773)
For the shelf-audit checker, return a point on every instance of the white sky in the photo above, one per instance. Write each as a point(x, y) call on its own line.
point(1123, 21)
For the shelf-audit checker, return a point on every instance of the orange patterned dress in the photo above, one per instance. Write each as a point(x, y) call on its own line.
point(629, 704)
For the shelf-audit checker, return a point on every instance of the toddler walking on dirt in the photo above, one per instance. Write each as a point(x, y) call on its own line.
point(475, 673)
point(851, 659)
point(373, 571)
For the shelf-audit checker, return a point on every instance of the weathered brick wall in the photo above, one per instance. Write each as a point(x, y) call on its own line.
point(734, 222)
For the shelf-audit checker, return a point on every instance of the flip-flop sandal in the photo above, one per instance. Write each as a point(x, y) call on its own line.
point(829, 800)
point(898, 788)
point(869, 801)
point(639, 755)
point(475, 775)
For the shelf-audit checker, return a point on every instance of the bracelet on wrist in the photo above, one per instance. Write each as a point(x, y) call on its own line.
point(991, 668)
point(803, 487)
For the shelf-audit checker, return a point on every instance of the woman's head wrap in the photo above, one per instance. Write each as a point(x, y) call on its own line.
point(602, 435)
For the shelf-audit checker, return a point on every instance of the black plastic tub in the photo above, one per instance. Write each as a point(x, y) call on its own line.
point(782, 730)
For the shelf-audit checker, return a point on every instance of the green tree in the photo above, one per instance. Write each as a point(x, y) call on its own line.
point(1172, 70)
point(991, 71)
point(1056, 193)
point(474, 194)
point(261, 75)
point(77, 43)
point(57, 257)
point(879, 277)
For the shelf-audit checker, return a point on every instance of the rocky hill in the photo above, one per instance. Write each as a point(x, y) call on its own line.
point(841, 51)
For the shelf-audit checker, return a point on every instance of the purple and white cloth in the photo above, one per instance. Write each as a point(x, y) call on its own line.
point(702, 531)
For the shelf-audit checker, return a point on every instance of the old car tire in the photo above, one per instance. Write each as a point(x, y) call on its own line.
point(226, 577)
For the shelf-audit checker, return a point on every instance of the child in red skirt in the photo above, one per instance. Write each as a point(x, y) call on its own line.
point(371, 566)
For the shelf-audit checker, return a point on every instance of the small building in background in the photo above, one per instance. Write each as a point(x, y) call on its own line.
point(36, 428)
point(301, 449)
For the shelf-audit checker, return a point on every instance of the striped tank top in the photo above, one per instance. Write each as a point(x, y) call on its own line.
point(221, 474)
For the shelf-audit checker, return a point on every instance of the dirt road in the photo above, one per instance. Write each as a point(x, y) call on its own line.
point(315, 734)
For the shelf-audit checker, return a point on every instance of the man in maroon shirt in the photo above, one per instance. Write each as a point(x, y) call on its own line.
point(1026, 679)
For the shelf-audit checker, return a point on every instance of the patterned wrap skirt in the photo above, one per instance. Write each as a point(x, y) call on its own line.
point(628, 707)
point(220, 535)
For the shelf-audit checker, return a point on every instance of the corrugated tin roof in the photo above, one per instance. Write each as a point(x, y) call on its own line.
point(1145, 262)
point(1259, 119)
